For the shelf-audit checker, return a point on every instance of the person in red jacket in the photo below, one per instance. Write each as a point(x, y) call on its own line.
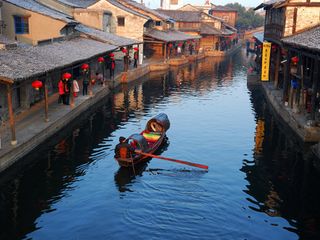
point(61, 92)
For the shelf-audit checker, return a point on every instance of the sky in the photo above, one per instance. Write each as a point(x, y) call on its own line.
point(246, 3)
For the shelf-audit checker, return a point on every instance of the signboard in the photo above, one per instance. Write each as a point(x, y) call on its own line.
point(265, 65)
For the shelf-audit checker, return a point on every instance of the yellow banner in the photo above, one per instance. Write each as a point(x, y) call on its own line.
point(266, 49)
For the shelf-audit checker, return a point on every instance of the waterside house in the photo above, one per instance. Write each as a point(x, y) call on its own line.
point(40, 43)
point(292, 27)
point(229, 15)
point(160, 38)
point(216, 36)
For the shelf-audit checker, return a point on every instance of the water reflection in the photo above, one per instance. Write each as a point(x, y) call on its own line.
point(75, 174)
point(283, 181)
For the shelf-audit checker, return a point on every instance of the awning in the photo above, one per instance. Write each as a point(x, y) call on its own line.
point(170, 35)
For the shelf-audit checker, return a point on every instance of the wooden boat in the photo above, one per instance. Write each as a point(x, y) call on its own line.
point(148, 141)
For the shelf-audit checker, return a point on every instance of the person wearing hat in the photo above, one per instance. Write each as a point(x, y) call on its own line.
point(123, 148)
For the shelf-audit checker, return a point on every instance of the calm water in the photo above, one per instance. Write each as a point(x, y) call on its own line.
point(261, 183)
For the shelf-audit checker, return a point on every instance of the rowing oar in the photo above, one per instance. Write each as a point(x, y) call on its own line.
point(173, 160)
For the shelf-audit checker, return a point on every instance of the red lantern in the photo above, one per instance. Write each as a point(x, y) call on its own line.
point(136, 49)
point(180, 44)
point(100, 60)
point(93, 81)
point(66, 76)
point(260, 46)
point(295, 60)
point(37, 84)
point(85, 67)
point(170, 45)
point(124, 50)
point(111, 55)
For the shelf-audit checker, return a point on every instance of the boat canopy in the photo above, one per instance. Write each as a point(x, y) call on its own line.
point(159, 123)
point(138, 141)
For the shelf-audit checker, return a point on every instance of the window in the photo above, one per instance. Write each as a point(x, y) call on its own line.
point(21, 24)
point(121, 21)
point(158, 23)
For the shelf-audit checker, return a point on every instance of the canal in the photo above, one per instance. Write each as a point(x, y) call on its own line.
point(262, 182)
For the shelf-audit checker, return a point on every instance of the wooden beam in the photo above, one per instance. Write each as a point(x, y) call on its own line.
point(6, 80)
point(276, 71)
point(295, 15)
point(315, 86)
point(46, 104)
point(286, 78)
point(11, 116)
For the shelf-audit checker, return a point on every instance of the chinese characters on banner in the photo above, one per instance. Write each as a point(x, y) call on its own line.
point(265, 61)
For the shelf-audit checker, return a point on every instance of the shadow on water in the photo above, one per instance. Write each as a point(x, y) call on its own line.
point(282, 178)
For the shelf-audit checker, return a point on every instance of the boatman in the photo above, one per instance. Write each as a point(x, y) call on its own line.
point(123, 149)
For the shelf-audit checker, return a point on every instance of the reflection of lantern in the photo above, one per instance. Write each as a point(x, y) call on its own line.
point(85, 67)
point(37, 84)
point(100, 60)
point(66, 76)
point(111, 55)
point(136, 49)
point(295, 60)
point(274, 47)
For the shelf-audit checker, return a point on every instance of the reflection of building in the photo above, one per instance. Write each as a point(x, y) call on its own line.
point(259, 136)
point(282, 180)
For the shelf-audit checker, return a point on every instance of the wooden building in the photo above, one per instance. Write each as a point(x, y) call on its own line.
point(286, 18)
point(302, 76)
point(215, 34)
point(228, 14)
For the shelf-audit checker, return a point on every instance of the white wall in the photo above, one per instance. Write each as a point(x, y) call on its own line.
point(166, 4)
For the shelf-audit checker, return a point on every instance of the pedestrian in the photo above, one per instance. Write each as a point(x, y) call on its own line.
point(61, 91)
point(112, 67)
point(67, 89)
point(76, 88)
point(99, 78)
point(85, 83)
point(190, 49)
point(178, 50)
point(126, 62)
point(135, 59)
